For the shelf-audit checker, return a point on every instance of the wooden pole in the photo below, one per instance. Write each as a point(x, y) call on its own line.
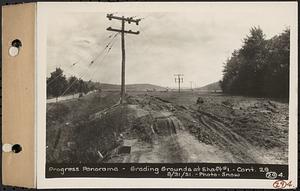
point(178, 79)
point(123, 31)
point(123, 63)
point(178, 83)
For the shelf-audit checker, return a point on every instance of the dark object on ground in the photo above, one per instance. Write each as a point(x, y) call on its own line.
point(200, 100)
point(124, 150)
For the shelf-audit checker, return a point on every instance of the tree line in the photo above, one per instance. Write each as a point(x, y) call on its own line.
point(58, 85)
point(260, 67)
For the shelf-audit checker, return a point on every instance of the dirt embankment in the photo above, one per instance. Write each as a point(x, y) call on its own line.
point(72, 137)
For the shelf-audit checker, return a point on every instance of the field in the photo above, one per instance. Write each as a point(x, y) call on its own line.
point(167, 127)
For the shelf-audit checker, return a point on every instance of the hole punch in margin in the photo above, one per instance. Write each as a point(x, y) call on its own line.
point(15, 47)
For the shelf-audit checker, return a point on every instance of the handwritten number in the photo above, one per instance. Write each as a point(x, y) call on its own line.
point(280, 184)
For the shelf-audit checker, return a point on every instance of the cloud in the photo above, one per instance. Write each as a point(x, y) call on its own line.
point(195, 43)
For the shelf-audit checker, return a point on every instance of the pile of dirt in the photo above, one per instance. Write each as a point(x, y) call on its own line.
point(151, 119)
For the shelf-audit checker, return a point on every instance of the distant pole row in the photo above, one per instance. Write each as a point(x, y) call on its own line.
point(179, 80)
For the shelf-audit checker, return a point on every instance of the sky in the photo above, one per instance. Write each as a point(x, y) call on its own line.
point(193, 41)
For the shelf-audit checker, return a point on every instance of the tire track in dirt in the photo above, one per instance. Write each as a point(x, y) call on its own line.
point(161, 131)
point(229, 140)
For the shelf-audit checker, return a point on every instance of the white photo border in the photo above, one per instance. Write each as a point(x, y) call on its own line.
point(45, 9)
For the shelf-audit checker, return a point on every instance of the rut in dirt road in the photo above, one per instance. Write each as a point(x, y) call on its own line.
point(229, 140)
point(238, 149)
point(228, 146)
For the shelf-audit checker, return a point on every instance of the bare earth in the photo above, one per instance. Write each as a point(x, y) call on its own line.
point(173, 128)
point(167, 127)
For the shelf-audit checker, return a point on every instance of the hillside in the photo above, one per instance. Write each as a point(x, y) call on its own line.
point(211, 87)
point(132, 87)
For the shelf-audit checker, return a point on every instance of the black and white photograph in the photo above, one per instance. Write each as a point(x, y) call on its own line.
point(202, 84)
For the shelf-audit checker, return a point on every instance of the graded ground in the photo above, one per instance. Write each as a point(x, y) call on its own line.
point(167, 127)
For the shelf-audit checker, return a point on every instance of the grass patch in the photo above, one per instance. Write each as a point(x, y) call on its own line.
point(72, 137)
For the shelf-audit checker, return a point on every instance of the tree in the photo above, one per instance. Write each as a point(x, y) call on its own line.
point(276, 80)
point(57, 83)
point(73, 83)
point(91, 85)
point(253, 54)
point(229, 84)
point(82, 87)
point(260, 67)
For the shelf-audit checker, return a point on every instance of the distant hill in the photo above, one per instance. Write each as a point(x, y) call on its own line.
point(132, 87)
point(110, 87)
point(144, 87)
point(211, 87)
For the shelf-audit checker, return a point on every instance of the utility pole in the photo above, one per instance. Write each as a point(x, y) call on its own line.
point(123, 31)
point(179, 80)
point(191, 85)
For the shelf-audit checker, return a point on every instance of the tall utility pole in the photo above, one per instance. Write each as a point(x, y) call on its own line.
point(123, 31)
point(179, 80)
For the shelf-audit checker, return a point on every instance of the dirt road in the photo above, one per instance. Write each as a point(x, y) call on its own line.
point(170, 143)
point(161, 137)
point(68, 97)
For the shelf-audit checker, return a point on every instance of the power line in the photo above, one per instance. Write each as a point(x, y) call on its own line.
point(107, 45)
point(84, 74)
point(111, 35)
point(104, 58)
point(50, 82)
